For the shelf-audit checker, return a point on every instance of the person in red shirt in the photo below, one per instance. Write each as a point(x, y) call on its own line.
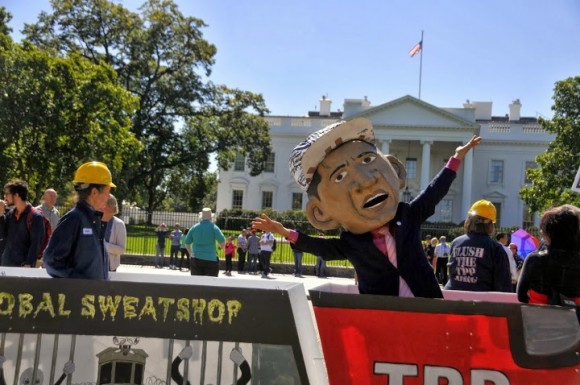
point(230, 252)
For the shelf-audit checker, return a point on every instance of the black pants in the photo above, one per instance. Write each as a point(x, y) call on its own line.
point(241, 259)
point(184, 253)
point(441, 270)
point(229, 262)
point(203, 267)
point(265, 259)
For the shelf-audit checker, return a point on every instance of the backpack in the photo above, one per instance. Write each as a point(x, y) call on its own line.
point(47, 228)
point(274, 245)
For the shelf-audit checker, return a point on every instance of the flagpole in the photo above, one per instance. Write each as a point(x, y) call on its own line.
point(421, 65)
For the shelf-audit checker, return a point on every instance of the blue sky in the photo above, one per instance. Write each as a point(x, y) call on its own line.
point(293, 52)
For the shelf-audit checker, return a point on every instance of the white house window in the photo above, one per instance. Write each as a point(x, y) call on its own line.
point(411, 167)
point(237, 199)
point(496, 171)
point(446, 212)
point(528, 217)
point(296, 201)
point(269, 167)
point(267, 198)
point(529, 165)
point(239, 162)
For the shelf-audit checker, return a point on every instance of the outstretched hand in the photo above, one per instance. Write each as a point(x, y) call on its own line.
point(462, 150)
point(186, 353)
point(69, 368)
point(264, 223)
point(237, 356)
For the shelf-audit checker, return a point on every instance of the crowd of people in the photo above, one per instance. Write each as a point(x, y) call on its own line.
point(88, 241)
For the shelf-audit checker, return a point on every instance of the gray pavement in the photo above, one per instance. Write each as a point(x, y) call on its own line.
point(308, 281)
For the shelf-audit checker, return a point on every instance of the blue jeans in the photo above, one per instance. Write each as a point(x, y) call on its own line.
point(297, 262)
point(159, 254)
point(173, 255)
point(320, 267)
point(252, 263)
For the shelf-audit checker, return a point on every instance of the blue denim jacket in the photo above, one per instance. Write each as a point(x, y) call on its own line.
point(75, 249)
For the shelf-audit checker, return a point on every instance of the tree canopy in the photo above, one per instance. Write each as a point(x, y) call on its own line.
point(56, 113)
point(162, 59)
point(557, 166)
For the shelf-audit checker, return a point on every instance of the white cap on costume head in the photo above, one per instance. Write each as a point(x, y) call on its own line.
point(308, 154)
point(206, 214)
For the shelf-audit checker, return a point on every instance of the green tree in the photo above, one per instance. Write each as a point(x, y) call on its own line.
point(162, 58)
point(557, 166)
point(56, 113)
point(5, 18)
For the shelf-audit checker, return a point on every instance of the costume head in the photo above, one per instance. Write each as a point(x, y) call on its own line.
point(26, 377)
point(349, 182)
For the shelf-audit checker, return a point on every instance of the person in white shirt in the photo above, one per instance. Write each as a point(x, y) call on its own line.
point(440, 260)
point(115, 235)
point(266, 244)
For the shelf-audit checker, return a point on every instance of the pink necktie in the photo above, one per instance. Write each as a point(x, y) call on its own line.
point(404, 290)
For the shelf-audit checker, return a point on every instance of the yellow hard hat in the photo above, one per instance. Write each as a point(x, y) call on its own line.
point(94, 173)
point(484, 209)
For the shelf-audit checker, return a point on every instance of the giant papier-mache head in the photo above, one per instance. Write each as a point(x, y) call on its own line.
point(350, 183)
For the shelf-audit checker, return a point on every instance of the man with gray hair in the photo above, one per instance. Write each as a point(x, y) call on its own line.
point(115, 233)
point(203, 236)
point(48, 207)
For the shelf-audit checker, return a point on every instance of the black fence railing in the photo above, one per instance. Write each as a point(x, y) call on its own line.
point(141, 237)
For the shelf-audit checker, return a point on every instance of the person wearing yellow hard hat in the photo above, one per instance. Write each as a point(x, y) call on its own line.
point(477, 261)
point(76, 247)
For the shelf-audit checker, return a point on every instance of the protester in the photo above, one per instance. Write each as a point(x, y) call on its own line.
point(21, 227)
point(253, 252)
point(184, 252)
point(48, 207)
point(320, 267)
point(201, 243)
point(353, 186)
point(230, 251)
point(297, 260)
point(441, 259)
point(430, 252)
point(161, 232)
point(503, 240)
point(242, 250)
point(478, 262)
point(175, 236)
point(115, 233)
point(76, 248)
point(266, 249)
point(552, 276)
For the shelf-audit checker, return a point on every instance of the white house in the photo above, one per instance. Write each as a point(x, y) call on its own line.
point(422, 136)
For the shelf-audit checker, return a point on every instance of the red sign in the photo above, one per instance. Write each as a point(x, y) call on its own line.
point(411, 341)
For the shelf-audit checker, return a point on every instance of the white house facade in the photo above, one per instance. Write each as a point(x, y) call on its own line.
point(422, 136)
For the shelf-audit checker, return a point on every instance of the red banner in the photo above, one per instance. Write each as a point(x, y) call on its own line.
point(395, 341)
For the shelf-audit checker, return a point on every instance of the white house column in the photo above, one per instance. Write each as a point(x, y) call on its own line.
point(385, 146)
point(467, 183)
point(425, 163)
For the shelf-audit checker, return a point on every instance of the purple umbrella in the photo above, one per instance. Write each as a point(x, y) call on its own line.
point(525, 242)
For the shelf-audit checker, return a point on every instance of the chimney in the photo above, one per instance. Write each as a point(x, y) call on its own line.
point(515, 108)
point(325, 106)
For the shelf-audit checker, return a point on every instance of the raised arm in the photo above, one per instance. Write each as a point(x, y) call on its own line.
point(264, 223)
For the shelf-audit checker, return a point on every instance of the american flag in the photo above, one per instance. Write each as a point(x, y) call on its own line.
point(416, 49)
